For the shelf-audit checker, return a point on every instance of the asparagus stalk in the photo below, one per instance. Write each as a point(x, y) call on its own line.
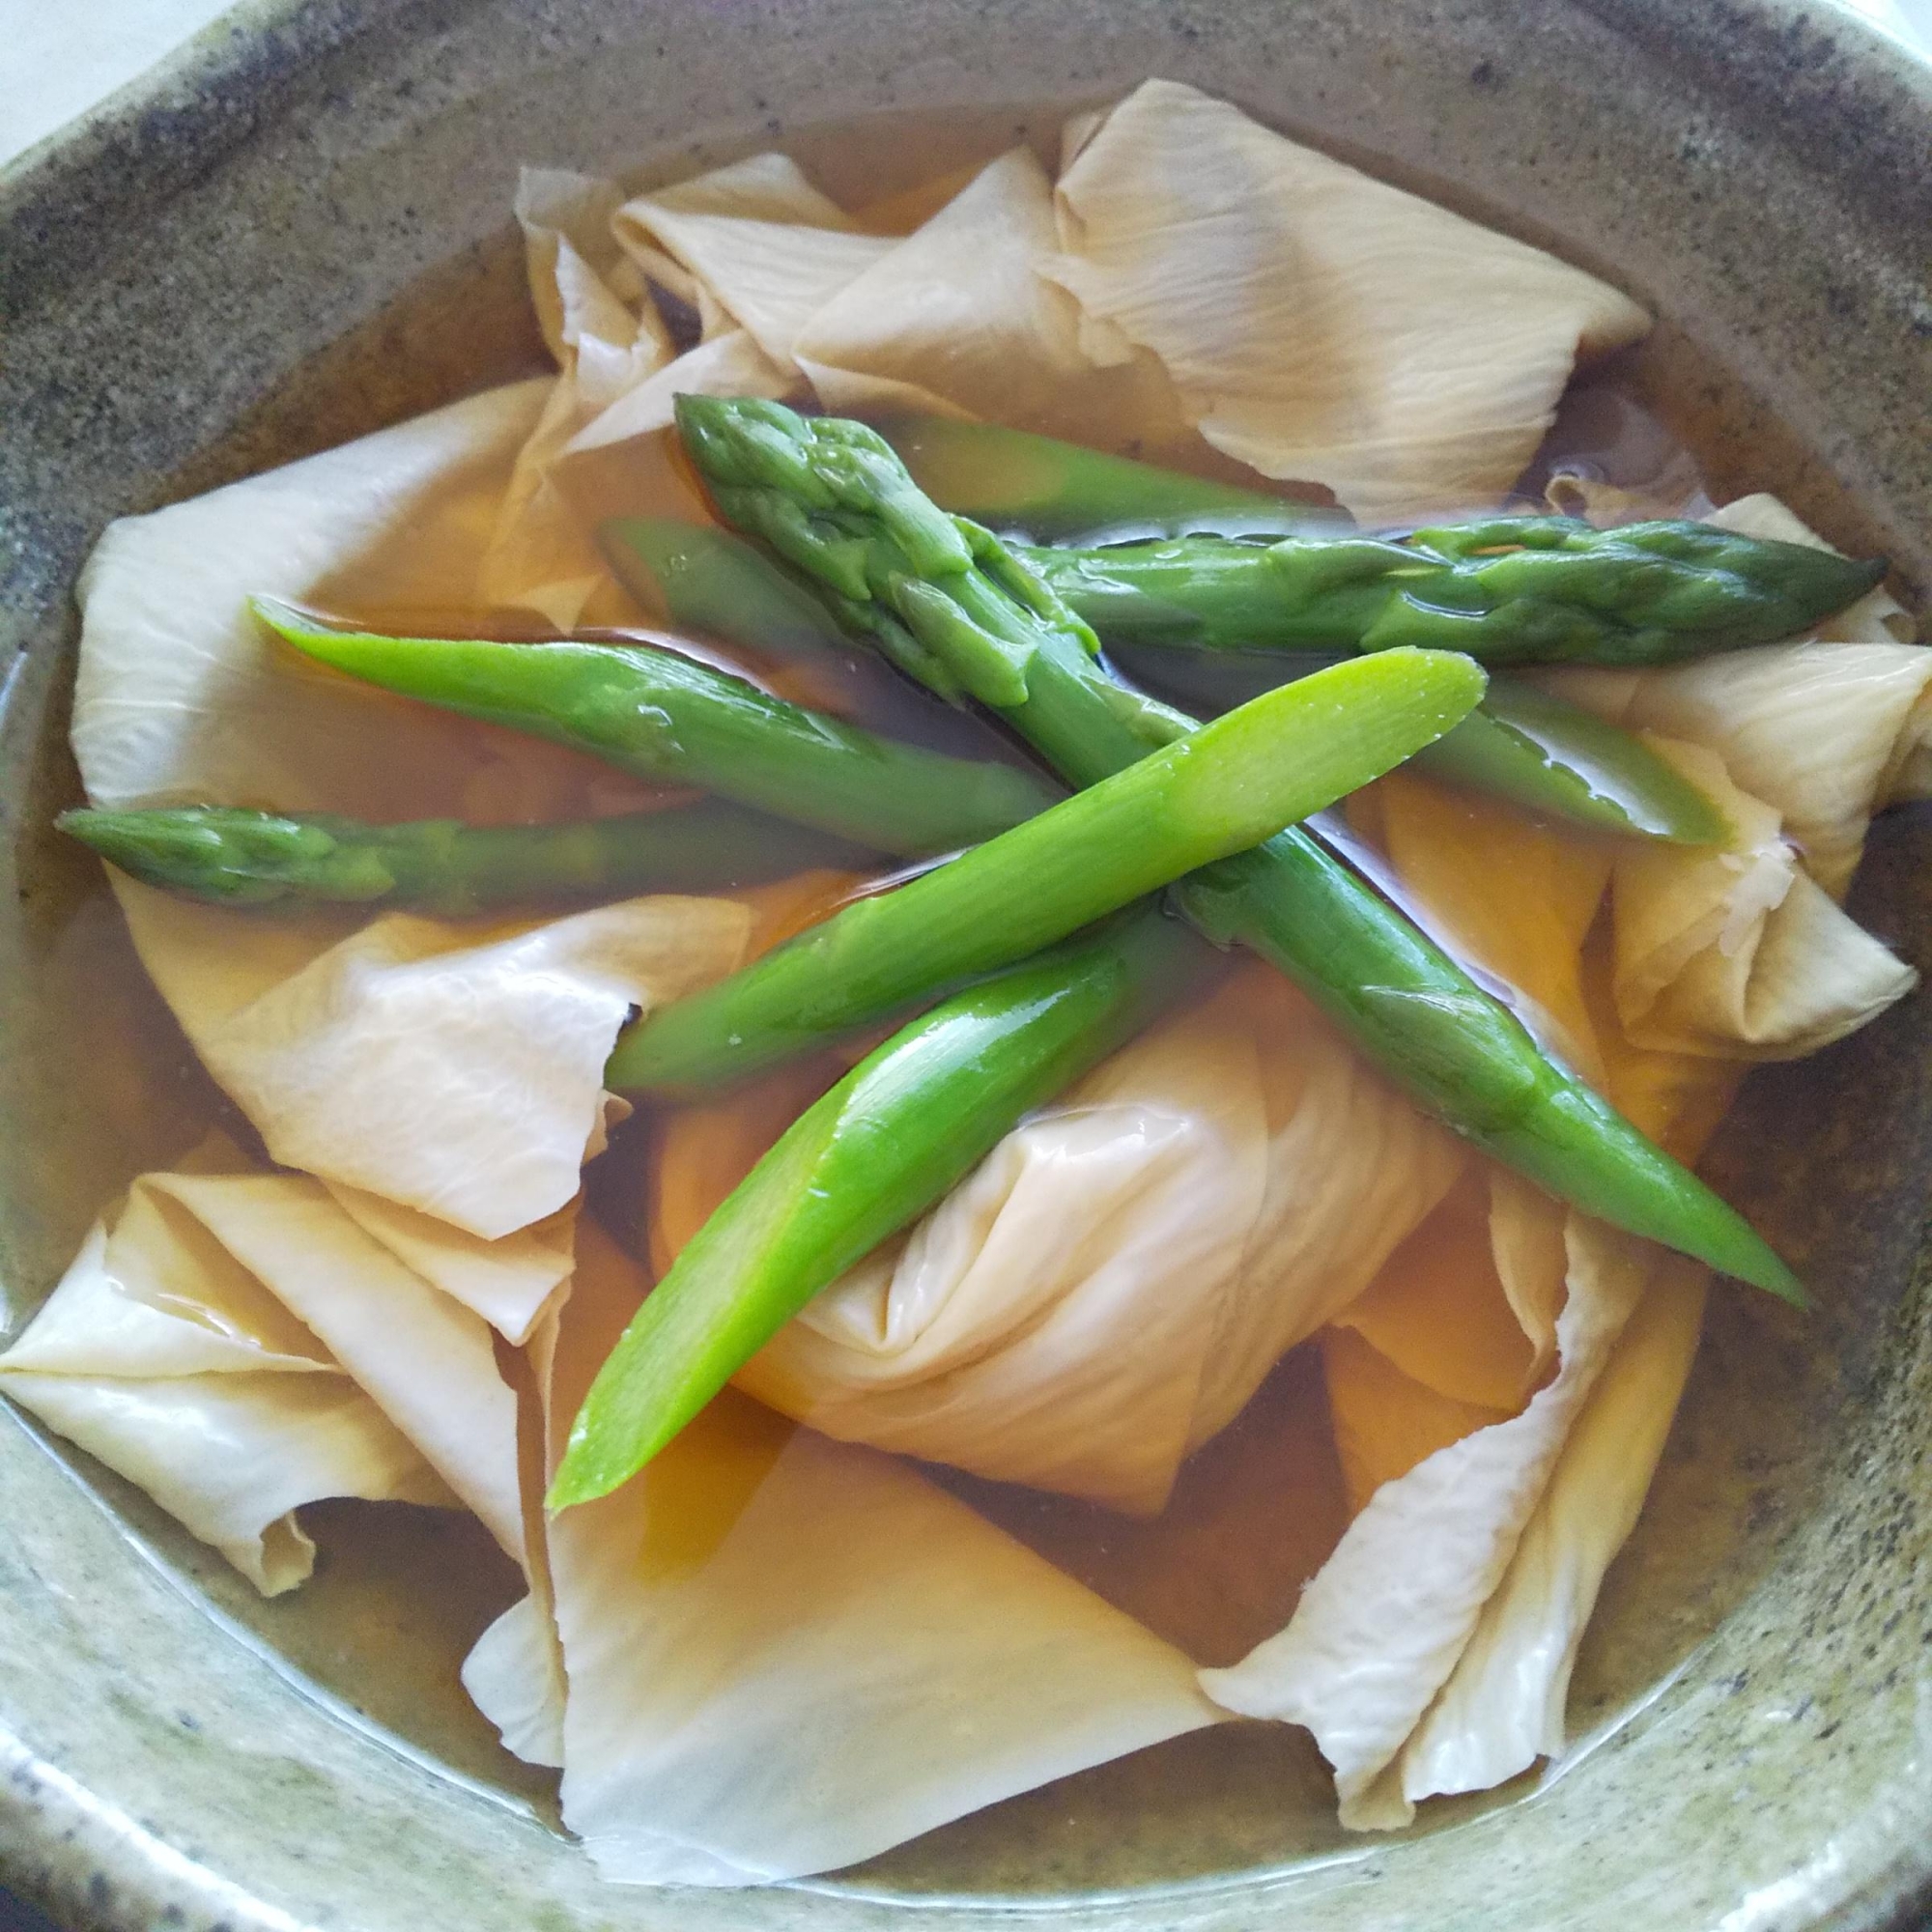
point(1547, 755)
point(1217, 791)
point(1507, 590)
point(889, 1139)
point(664, 716)
point(1016, 480)
point(711, 583)
point(1540, 753)
point(1535, 750)
point(233, 857)
point(1408, 1005)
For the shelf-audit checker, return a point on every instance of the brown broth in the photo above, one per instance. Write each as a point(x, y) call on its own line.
point(400, 1594)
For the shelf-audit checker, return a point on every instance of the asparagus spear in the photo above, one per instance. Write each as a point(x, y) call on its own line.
point(880, 1147)
point(1547, 755)
point(834, 492)
point(660, 715)
point(709, 581)
point(1014, 480)
point(1218, 790)
point(1521, 744)
point(230, 856)
point(1507, 590)
point(1544, 754)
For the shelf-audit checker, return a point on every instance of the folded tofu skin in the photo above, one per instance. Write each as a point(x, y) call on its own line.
point(831, 1612)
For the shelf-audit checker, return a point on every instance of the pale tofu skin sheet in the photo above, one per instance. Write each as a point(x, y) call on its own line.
point(782, 1649)
point(1317, 324)
point(764, 1611)
point(1218, 1190)
point(162, 1354)
point(445, 1075)
point(1432, 1654)
point(442, 1081)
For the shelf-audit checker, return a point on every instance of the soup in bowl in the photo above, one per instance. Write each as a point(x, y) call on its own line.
point(886, 1091)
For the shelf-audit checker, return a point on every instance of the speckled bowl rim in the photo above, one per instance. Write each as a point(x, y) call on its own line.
point(139, 1879)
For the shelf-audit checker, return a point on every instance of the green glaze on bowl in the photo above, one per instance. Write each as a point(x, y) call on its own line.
point(296, 233)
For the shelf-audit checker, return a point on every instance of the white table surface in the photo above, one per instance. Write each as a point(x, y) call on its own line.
point(59, 57)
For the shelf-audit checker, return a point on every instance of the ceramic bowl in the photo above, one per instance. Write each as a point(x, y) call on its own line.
point(297, 232)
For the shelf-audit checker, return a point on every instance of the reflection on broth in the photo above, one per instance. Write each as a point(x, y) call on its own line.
point(1173, 1389)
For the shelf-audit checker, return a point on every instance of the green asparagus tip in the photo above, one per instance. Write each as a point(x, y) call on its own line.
point(393, 663)
point(236, 856)
point(208, 849)
point(125, 838)
point(280, 615)
point(437, 670)
point(312, 638)
point(1762, 1267)
point(578, 1480)
point(1634, 1184)
point(1871, 573)
point(740, 441)
point(1722, 1237)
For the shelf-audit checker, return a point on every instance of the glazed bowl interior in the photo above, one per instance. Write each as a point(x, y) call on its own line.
point(299, 235)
